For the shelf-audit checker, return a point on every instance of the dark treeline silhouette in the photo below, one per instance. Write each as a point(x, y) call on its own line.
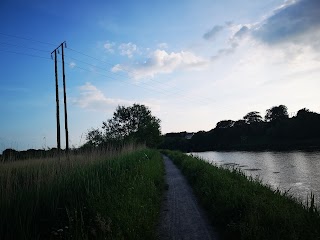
point(276, 132)
point(129, 125)
point(13, 155)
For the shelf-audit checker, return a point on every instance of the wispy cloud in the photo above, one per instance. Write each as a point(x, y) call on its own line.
point(225, 51)
point(163, 45)
point(212, 33)
point(128, 49)
point(90, 97)
point(243, 31)
point(161, 61)
point(109, 46)
point(72, 64)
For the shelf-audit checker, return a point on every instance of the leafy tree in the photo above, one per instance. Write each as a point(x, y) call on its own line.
point(133, 123)
point(225, 124)
point(277, 113)
point(240, 123)
point(94, 138)
point(303, 112)
point(252, 117)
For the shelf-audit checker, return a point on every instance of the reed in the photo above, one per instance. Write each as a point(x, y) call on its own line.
point(94, 195)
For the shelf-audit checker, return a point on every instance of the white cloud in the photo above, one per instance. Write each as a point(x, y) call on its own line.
point(109, 46)
point(92, 98)
point(128, 49)
point(295, 22)
point(162, 62)
point(72, 64)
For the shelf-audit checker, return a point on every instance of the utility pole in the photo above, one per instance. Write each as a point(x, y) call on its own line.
point(65, 98)
point(57, 101)
point(62, 46)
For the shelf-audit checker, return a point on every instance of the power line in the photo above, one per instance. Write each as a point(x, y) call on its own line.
point(131, 72)
point(111, 64)
point(25, 54)
point(129, 83)
point(24, 38)
point(16, 45)
point(162, 91)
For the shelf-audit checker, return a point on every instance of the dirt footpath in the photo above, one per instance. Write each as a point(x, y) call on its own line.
point(181, 217)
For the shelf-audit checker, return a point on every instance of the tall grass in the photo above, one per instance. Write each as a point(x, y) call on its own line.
point(243, 208)
point(98, 195)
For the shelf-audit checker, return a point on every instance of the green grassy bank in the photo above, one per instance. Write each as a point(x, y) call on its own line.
point(92, 196)
point(243, 208)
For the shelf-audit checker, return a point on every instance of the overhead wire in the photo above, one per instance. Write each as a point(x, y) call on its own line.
point(126, 82)
point(162, 91)
point(22, 46)
point(103, 70)
point(144, 83)
point(24, 38)
point(112, 64)
point(25, 54)
point(153, 88)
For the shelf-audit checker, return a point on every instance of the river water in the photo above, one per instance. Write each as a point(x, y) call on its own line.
point(297, 172)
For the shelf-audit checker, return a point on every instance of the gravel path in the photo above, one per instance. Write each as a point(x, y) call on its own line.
point(181, 217)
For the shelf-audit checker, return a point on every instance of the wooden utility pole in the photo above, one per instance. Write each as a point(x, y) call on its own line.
point(57, 101)
point(62, 46)
point(65, 98)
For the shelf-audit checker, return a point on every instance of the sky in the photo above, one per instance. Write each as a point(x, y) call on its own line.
point(192, 62)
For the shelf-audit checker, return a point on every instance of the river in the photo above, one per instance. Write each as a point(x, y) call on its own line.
point(297, 172)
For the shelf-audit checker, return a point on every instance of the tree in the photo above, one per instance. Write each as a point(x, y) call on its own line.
point(94, 138)
point(303, 113)
point(277, 113)
point(240, 123)
point(225, 124)
point(252, 117)
point(133, 123)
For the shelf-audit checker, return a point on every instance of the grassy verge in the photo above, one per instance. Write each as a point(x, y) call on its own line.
point(243, 208)
point(88, 197)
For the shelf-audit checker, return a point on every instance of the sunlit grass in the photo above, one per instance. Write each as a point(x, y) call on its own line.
point(114, 194)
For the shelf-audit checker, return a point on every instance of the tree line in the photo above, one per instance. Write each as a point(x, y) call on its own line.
point(132, 124)
point(136, 124)
point(276, 131)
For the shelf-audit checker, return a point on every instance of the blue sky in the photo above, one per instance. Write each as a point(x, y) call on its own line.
point(193, 63)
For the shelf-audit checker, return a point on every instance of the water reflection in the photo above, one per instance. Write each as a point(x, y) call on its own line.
point(297, 172)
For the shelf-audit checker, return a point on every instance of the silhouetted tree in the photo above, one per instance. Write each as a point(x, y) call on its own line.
point(279, 133)
point(303, 112)
point(94, 138)
point(10, 154)
point(277, 113)
point(252, 117)
point(133, 123)
point(240, 123)
point(225, 124)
